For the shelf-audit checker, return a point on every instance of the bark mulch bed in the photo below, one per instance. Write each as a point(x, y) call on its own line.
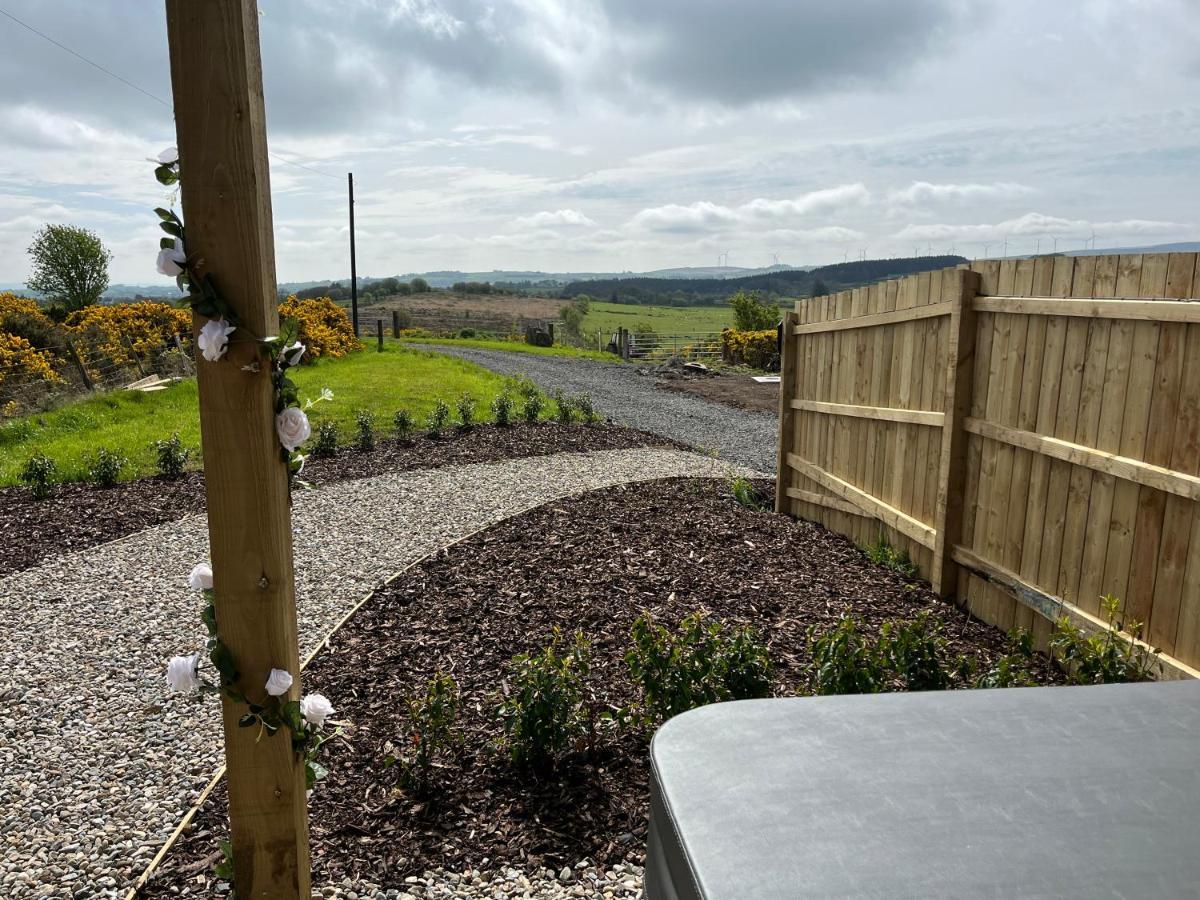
point(592, 562)
point(738, 391)
point(80, 515)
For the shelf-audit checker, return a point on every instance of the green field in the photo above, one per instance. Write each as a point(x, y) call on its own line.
point(512, 347)
point(608, 317)
point(129, 421)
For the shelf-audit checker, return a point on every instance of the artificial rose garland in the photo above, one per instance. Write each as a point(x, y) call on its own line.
point(183, 673)
point(279, 682)
point(292, 427)
point(201, 577)
point(315, 708)
point(214, 338)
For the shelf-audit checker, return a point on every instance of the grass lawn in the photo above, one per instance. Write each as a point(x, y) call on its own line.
point(511, 346)
point(607, 317)
point(129, 421)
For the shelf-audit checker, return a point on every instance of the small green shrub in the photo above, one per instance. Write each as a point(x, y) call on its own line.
point(745, 494)
point(531, 408)
point(433, 717)
point(1012, 669)
point(845, 661)
point(884, 554)
point(466, 412)
point(1104, 657)
point(699, 664)
point(364, 430)
point(171, 456)
point(502, 409)
point(542, 713)
point(564, 409)
point(106, 468)
point(439, 418)
point(913, 651)
point(403, 426)
point(586, 409)
point(39, 475)
point(326, 441)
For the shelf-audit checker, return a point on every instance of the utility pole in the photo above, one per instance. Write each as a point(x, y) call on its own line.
point(353, 267)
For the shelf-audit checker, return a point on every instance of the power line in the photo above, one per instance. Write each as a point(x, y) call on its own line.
point(140, 90)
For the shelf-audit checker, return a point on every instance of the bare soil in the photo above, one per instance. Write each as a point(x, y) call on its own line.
point(594, 563)
point(738, 391)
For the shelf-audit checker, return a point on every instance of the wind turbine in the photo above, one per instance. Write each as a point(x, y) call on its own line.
point(986, 248)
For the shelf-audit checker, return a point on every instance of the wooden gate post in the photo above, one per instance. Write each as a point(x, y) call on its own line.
point(395, 323)
point(789, 379)
point(952, 473)
point(216, 78)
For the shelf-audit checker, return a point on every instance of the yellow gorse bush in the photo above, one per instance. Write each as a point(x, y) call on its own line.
point(325, 328)
point(13, 306)
point(146, 325)
point(758, 349)
point(21, 362)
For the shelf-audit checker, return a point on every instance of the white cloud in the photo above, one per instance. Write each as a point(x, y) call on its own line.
point(560, 217)
point(1038, 225)
point(920, 193)
point(706, 216)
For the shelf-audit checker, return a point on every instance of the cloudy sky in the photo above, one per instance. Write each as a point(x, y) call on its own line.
point(609, 135)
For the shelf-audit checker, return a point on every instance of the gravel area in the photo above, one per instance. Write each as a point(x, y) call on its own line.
point(741, 436)
point(97, 762)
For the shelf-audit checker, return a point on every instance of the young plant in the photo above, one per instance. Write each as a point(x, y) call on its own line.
point(913, 651)
point(564, 409)
point(1104, 657)
point(699, 664)
point(364, 430)
point(106, 468)
point(845, 661)
point(433, 717)
point(542, 709)
point(39, 474)
point(403, 426)
point(466, 412)
point(884, 554)
point(438, 419)
point(502, 409)
point(1012, 669)
point(745, 494)
point(325, 443)
point(171, 456)
point(587, 411)
point(531, 408)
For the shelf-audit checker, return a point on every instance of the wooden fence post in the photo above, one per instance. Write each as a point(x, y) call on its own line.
point(216, 79)
point(789, 380)
point(133, 354)
point(379, 333)
point(83, 372)
point(395, 323)
point(959, 368)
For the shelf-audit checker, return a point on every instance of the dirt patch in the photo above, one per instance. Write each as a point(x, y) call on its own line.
point(81, 515)
point(739, 391)
point(593, 562)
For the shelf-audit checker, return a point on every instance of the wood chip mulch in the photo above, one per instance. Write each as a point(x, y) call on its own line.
point(79, 515)
point(592, 562)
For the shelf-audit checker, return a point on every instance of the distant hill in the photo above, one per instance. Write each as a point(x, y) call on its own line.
point(1180, 247)
point(780, 283)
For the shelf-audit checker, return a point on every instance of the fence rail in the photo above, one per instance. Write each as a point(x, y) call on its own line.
point(1029, 430)
point(705, 345)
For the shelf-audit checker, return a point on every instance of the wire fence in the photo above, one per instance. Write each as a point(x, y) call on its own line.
point(702, 346)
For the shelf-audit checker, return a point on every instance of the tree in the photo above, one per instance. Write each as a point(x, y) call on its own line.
point(751, 314)
point(419, 286)
point(819, 289)
point(70, 266)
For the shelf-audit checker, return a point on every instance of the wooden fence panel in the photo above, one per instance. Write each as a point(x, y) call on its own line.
point(1070, 416)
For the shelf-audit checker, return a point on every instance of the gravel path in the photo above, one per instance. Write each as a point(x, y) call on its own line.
point(97, 762)
point(620, 393)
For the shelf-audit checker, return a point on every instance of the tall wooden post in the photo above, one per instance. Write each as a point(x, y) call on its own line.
point(788, 382)
point(216, 77)
point(952, 473)
point(353, 262)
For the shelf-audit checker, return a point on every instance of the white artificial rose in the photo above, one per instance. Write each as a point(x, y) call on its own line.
point(183, 674)
point(171, 260)
point(201, 578)
point(214, 338)
point(278, 682)
point(293, 353)
point(315, 708)
point(169, 156)
point(292, 427)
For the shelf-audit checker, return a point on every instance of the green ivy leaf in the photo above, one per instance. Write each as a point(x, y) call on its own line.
point(223, 660)
point(247, 720)
point(166, 174)
point(166, 244)
point(290, 714)
point(171, 228)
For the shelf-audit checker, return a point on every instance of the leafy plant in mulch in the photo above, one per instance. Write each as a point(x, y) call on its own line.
point(745, 494)
point(1104, 657)
point(466, 412)
point(403, 426)
point(325, 444)
point(39, 474)
point(171, 456)
point(884, 554)
point(502, 409)
point(703, 662)
point(364, 430)
point(564, 409)
point(433, 719)
point(845, 661)
point(541, 712)
point(586, 409)
point(531, 407)
point(106, 467)
point(913, 653)
point(1013, 668)
point(439, 418)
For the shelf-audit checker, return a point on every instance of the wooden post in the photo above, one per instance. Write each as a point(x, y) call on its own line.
point(379, 333)
point(353, 263)
point(216, 78)
point(133, 355)
point(395, 323)
point(83, 372)
point(952, 473)
point(789, 379)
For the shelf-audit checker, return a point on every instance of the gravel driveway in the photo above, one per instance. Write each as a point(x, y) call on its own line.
point(620, 393)
point(97, 762)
